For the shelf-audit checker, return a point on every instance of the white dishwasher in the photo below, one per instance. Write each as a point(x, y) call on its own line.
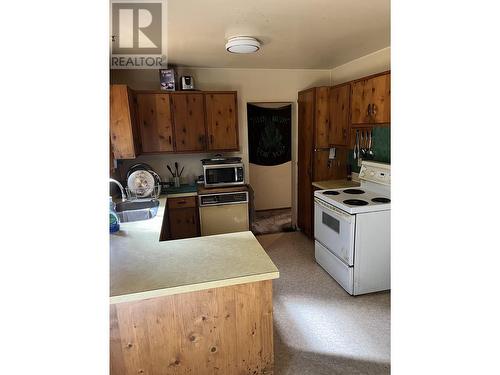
point(223, 213)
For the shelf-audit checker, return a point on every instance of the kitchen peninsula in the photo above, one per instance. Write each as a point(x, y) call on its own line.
point(197, 305)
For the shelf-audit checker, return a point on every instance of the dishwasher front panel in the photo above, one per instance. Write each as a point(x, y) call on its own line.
point(224, 218)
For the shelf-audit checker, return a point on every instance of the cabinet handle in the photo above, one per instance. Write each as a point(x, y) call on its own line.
point(374, 111)
point(344, 133)
point(170, 139)
point(369, 111)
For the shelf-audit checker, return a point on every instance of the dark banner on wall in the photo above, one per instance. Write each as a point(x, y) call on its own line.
point(269, 134)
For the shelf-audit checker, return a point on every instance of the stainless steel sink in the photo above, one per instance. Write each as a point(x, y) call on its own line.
point(137, 210)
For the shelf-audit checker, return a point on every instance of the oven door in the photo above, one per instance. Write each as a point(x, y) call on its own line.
point(335, 228)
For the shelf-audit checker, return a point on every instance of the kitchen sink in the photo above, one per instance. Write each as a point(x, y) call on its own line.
point(137, 210)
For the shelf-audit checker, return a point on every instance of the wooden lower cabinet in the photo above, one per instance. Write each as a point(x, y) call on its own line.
point(224, 331)
point(183, 223)
point(183, 218)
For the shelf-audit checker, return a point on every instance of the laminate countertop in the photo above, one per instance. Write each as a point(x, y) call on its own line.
point(142, 267)
point(335, 184)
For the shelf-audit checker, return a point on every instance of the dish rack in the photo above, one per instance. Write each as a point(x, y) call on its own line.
point(142, 193)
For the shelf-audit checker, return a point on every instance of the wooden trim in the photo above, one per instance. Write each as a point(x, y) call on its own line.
point(367, 77)
point(186, 92)
point(305, 90)
point(341, 84)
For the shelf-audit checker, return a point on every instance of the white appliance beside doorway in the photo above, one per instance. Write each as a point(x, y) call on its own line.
point(352, 231)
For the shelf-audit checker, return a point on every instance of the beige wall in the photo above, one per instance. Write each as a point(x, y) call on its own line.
point(253, 85)
point(376, 62)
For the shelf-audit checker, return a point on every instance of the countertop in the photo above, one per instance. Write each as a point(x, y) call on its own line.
point(335, 184)
point(143, 267)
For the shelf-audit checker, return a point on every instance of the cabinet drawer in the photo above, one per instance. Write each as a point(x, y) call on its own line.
point(183, 202)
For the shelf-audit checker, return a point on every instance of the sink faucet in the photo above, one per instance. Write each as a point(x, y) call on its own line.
point(124, 197)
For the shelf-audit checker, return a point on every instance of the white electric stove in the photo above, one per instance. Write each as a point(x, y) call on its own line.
point(352, 231)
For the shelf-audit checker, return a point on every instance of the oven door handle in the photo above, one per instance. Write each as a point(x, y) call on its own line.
point(339, 213)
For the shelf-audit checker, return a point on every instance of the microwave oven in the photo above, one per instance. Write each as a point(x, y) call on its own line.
point(223, 174)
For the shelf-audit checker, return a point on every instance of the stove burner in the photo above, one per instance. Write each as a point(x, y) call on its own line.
point(353, 191)
point(381, 200)
point(331, 192)
point(355, 202)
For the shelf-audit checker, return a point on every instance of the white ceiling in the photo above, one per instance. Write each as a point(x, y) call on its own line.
point(308, 34)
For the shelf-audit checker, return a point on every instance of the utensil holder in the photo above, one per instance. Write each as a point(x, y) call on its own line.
point(177, 182)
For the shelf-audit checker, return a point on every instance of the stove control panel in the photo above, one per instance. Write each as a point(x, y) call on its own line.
point(375, 172)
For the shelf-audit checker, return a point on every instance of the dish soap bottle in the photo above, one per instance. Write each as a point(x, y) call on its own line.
point(114, 222)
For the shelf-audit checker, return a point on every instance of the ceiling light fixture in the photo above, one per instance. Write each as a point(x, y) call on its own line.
point(242, 44)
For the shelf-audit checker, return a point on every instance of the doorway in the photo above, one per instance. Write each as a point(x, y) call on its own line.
point(270, 165)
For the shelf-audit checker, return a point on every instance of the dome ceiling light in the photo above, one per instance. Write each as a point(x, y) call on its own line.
point(242, 44)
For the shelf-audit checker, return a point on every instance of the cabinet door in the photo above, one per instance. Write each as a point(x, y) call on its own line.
point(222, 123)
point(304, 162)
point(371, 101)
point(155, 122)
point(121, 126)
point(183, 222)
point(189, 122)
point(339, 115)
point(360, 98)
point(381, 99)
point(322, 123)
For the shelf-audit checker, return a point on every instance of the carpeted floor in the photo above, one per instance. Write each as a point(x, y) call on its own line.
point(272, 221)
point(318, 328)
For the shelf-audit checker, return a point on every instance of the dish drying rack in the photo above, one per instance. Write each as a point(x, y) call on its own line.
point(142, 193)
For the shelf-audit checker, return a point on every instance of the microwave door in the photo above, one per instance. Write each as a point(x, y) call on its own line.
point(214, 176)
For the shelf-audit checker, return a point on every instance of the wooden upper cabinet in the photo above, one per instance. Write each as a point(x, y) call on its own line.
point(155, 122)
point(339, 115)
point(122, 128)
point(322, 112)
point(189, 121)
point(371, 100)
point(222, 121)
